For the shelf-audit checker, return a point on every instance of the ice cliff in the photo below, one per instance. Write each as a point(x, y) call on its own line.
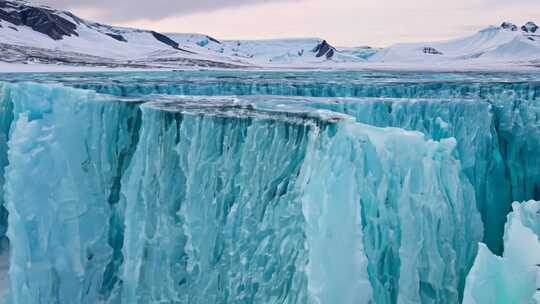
point(160, 193)
point(494, 121)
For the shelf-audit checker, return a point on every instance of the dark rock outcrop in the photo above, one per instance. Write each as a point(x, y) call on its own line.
point(40, 19)
point(509, 26)
point(324, 49)
point(530, 27)
point(168, 41)
point(117, 37)
point(431, 51)
point(213, 39)
point(164, 39)
point(8, 12)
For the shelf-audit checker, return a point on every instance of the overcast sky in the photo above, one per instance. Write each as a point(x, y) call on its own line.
point(342, 22)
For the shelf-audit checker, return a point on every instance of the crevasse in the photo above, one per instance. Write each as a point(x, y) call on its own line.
point(226, 200)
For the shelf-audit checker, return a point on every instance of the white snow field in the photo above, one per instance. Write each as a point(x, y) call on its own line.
point(54, 37)
point(491, 45)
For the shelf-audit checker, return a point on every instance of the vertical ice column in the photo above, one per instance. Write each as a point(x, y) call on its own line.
point(331, 182)
point(213, 214)
point(6, 118)
point(438, 221)
point(65, 154)
point(416, 211)
point(514, 277)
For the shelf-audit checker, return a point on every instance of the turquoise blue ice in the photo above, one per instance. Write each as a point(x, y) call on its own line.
point(271, 187)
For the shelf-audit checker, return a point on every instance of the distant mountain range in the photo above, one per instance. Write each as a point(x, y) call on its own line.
point(507, 43)
point(31, 34)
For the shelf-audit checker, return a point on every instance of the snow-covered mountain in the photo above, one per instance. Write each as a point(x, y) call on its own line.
point(32, 34)
point(265, 52)
point(507, 43)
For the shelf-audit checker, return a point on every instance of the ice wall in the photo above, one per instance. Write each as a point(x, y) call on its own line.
point(228, 202)
point(477, 143)
point(6, 118)
point(296, 84)
point(410, 226)
point(494, 121)
point(213, 212)
point(498, 140)
point(67, 150)
point(514, 277)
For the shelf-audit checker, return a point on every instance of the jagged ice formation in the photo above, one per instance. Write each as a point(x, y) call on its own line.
point(145, 196)
point(503, 142)
point(514, 277)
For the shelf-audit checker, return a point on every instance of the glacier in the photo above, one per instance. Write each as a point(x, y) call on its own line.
point(265, 187)
point(503, 144)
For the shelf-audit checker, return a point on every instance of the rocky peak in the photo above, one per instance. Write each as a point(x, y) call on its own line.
point(40, 19)
point(509, 26)
point(324, 49)
point(530, 27)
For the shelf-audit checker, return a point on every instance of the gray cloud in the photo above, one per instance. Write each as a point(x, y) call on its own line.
point(126, 10)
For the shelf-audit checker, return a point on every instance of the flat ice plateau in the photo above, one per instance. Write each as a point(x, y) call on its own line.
point(270, 187)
